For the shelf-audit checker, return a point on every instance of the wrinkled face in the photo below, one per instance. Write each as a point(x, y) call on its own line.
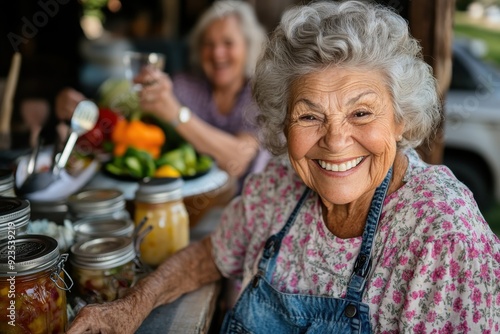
point(342, 132)
point(223, 52)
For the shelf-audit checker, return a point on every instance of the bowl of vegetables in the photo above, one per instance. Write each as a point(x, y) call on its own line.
point(143, 146)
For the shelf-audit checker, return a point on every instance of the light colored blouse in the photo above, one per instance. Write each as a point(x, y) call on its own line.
point(196, 93)
point(436, 262)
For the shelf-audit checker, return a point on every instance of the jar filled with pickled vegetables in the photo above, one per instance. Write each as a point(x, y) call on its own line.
point(7, 183)
point(97, 203)
point(103, 268)
point(14, 216)
point(32, 286)
point(160, 200)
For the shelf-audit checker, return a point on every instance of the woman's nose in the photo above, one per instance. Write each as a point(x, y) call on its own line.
point(336, 137)
point(218, 51)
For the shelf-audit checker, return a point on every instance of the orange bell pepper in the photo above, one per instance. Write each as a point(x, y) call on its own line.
point(142, 136)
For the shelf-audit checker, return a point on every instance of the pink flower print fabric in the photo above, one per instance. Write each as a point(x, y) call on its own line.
point(435, 261)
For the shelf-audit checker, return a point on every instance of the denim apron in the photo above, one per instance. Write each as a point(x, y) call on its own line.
point(263, 309)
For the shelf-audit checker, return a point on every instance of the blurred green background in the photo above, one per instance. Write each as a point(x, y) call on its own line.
point(464, 26)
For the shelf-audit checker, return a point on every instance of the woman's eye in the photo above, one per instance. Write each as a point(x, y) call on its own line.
point(361, 113)
point(307, 118)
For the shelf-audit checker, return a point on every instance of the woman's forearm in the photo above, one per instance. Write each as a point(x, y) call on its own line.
point(233, 154)
point(185, 271)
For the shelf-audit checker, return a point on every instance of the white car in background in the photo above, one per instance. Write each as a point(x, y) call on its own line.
point(472, 126)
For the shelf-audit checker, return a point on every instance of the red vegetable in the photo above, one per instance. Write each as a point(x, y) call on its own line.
point(93, 140)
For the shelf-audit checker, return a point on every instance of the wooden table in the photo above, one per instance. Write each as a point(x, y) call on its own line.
point(192, 313)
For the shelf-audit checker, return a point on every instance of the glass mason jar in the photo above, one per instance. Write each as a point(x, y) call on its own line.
point(91, 228)
point(160, 200)
point(7, 183)
point(32, 286)
point(97, 203)
point(14, 216)
point(103, 268)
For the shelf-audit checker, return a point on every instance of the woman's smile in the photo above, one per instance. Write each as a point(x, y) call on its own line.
point(339, 167)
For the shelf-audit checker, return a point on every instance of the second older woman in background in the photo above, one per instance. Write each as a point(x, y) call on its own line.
point(210, 108)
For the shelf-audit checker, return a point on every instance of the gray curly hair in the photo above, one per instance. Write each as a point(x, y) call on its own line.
point(354, 34)
point(253, 32)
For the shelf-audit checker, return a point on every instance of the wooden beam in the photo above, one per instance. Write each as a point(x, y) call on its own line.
point(431, 22)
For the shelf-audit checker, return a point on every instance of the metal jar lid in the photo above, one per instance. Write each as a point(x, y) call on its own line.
point(34, 253)
point(6, 180)
point(93, 202)
point(159, 190)
point(55, 211)
point(13, 210)
point(91, 228)
point(102, 253)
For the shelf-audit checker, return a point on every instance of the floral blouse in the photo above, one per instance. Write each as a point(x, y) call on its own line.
point(436, 262)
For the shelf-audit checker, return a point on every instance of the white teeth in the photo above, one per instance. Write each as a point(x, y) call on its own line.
point(340, 167)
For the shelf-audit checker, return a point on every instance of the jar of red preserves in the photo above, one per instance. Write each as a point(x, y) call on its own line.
point(32, 286)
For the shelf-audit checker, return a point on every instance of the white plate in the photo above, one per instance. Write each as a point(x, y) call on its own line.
point(60, 189)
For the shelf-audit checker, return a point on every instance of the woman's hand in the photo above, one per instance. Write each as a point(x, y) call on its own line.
point(156, 95)
point(121, 316)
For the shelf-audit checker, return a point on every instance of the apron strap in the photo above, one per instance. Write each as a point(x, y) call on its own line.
point(273, 244)
point(363, 262)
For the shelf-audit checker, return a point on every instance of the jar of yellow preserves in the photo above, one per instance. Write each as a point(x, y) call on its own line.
point(160, 200)
point(32, 287)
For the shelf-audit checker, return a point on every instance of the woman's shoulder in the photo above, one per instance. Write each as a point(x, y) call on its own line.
point(433, 202)
point(439, 180)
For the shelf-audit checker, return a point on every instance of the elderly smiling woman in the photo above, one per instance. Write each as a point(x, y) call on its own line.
point(352, 233)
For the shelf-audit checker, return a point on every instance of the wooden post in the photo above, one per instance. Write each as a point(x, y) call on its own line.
point(170, 22)
point(431, 22)
point(7, 101)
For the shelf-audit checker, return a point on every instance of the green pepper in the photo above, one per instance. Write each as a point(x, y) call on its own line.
point(133, 165)
point(114, 169)
point(204, 163)
point(174, 158)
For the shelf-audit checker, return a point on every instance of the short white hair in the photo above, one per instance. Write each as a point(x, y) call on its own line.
point(253, 32)
point(352, 34)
